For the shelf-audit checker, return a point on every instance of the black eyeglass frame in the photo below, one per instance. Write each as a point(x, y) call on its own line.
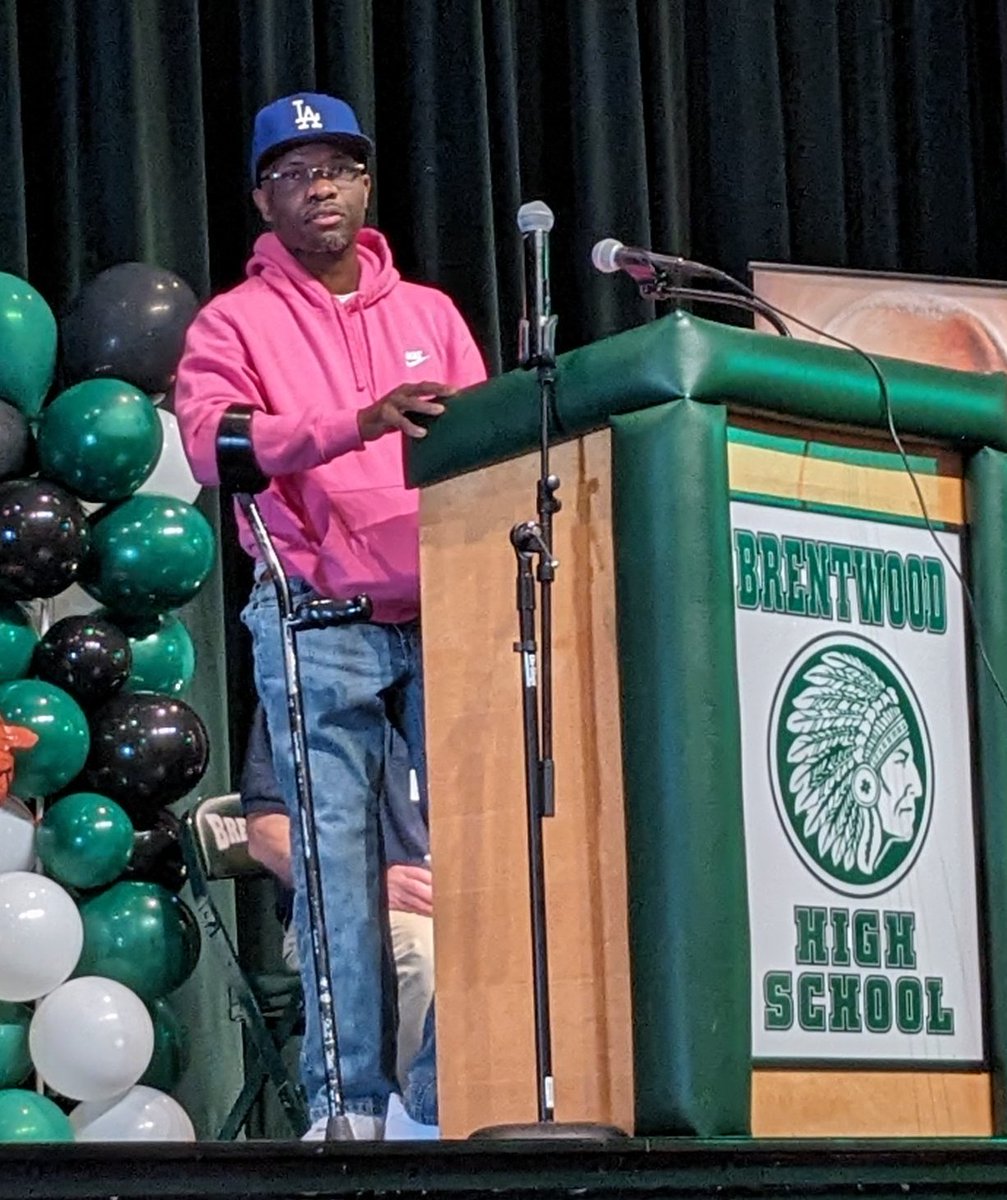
point(341, 173)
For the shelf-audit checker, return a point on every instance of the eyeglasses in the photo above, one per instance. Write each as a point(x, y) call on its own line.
point(295, 177)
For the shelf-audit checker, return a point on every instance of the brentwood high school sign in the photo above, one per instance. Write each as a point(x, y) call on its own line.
point(858, 799)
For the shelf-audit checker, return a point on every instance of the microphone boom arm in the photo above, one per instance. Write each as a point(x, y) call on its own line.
point(661, 287)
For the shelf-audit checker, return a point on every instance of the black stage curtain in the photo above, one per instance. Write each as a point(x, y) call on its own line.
point(864, 133)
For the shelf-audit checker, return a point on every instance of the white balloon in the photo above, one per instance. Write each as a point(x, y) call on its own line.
point(91, 1039)
point(41, 935)
point(143, 1114)
point(17, 836)
point(171, 475)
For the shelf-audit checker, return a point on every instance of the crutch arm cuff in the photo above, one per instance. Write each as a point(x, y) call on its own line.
point(237, 466)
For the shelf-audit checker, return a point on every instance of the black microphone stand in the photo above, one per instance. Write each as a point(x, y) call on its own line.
point(532, 543)
point(533, 540)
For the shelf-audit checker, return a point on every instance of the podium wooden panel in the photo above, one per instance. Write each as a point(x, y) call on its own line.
point(848, 1104)
point(478, 809)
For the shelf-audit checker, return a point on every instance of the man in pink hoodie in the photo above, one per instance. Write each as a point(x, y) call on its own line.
point(331, 351)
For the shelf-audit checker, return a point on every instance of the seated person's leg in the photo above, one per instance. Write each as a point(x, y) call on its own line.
point(413, 947)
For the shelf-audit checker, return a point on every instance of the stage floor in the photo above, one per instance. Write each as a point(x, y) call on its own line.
point(676, 1168)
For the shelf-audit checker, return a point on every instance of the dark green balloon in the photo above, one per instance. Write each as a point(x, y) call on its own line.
point(85, 840)
point(63, 736)
point(140, 935)
point(149, 554)
point(100, 439)
point(15, 1061)
point(18, 640)
point(27, 345)
point(162, 652)
point(163, 661)
point(171, 1048)
point(28, 1117)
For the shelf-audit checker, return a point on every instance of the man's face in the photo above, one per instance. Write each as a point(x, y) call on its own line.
point(901, 787)
point(313, 216)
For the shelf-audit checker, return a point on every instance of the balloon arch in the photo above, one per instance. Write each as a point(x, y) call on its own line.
point(96, 738)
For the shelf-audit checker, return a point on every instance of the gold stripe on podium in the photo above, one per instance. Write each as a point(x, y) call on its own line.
point(837, 485)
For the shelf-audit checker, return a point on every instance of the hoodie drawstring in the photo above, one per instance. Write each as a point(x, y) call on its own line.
point(349, 317)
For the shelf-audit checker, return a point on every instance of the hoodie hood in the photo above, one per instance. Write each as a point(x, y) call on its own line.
point(275, 265)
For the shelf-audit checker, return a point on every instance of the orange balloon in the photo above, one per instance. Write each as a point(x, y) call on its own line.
point(12, 737)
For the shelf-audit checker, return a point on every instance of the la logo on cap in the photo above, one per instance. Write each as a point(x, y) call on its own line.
point(306, 117)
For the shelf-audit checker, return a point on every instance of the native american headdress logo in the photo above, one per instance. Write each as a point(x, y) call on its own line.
point(851, 764)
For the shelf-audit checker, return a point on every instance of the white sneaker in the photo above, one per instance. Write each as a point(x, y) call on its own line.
point(400, 1127)
point(365, 1128)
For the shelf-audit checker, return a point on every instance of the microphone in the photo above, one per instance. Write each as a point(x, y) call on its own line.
point(651, 271)
point(537, 330)
point(611, 255)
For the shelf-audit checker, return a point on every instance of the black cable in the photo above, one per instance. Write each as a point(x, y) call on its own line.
point(886, 400)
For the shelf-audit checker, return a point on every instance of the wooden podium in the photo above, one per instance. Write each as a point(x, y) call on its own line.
point(475, 758)
point(663, 436)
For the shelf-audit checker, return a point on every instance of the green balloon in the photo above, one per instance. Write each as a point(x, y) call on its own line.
point(15, 1061)
point(164, 660)
point(85, 840)
point(28, 1117)
point(27, 345)
point(149, 554)
point(171, 1048)
point(100, 439)
point(63, 735)
point(141, 935)
point(18, 640)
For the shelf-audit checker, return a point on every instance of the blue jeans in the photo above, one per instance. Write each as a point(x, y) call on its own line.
point(352, 678)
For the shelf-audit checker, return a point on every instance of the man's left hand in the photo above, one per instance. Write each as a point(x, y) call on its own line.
point(410, 889)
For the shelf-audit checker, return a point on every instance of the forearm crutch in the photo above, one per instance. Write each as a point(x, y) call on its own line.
point(241, 475)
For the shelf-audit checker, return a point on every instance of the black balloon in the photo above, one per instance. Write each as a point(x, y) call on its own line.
point(147, 750)
point(86, 656)
point(44, 539)
point(129, 323)
point(14, 439)
point(157, 853)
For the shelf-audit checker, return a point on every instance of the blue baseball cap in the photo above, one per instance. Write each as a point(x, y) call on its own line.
point(305, 117)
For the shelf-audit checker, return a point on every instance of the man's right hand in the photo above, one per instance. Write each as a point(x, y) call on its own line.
point(390, 413)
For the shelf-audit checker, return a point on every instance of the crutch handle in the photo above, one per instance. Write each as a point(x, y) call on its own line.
point(323, 613)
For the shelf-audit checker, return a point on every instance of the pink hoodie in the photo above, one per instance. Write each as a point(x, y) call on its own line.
point(307, 362)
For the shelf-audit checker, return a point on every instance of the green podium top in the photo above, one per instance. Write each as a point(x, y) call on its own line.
point(684, 356)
